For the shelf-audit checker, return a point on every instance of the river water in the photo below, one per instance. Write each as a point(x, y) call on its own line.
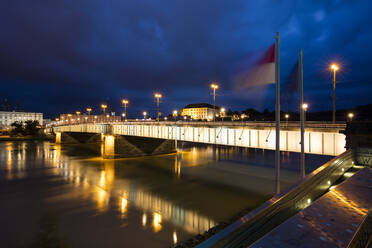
point(60, 196)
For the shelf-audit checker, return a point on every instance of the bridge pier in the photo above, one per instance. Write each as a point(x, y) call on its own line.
point(120, 146)
point(111, 146)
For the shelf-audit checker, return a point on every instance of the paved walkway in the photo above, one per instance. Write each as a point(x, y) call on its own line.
point(330, 221)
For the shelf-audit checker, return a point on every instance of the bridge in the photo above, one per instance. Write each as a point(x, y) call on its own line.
point(320, 138)
point(315, 208)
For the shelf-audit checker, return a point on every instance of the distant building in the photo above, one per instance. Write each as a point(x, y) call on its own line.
point(200, 111)
point(7, 118)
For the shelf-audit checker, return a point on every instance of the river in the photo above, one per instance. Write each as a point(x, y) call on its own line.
point(58, 196)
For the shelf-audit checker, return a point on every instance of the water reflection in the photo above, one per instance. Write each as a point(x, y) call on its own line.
point(156, 222)
point(174, 237)
point(144, 219)
point(136, 198)
point(106, 187)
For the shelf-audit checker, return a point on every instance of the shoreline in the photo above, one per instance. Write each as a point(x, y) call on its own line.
point(26, 138)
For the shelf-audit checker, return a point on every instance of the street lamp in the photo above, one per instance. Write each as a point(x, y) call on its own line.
point(103, 107)
point(144, 115)
point(335, 68)
point(125, 102)
point(89, 110)
point(157, 96)
point(78, 113)
point(350, 115)
point(175, 114)
point(305, 107)
point(214, 87)
point(222, 113)
point(286, 116)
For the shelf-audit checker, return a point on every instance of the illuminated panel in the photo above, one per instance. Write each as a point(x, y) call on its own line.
point(316, 142)
point(328, 143)
point(254, 138)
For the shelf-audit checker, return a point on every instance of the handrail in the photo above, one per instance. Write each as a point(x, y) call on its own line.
point(363, 235)
point(284, 125)
point(290, 202)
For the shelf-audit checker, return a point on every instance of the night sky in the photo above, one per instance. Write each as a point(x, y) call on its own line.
point(61, 56)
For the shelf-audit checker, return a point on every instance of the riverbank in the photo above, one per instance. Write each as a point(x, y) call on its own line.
point(27, 138)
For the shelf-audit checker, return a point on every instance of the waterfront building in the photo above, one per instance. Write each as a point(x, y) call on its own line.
point(200, 111)
point(9, 117)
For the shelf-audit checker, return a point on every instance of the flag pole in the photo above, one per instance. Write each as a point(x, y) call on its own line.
point(302, 117)
point(277, 116)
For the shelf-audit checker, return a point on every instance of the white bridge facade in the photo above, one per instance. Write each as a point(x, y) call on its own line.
point(320, 138)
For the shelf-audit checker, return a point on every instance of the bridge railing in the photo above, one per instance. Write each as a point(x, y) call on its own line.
point(362, 237)
point(256, 223)
point(258, 124)
point(309, 124)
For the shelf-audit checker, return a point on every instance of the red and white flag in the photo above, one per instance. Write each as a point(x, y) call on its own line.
point(262, 72)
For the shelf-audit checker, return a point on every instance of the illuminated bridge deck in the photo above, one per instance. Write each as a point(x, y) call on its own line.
point(331, 221)
point(320, 138)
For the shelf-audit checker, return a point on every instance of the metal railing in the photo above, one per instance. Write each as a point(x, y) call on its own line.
point(253, 124)
point(363, 236)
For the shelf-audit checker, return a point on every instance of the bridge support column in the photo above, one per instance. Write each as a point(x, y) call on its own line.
point(119, 146)
point(58, 137)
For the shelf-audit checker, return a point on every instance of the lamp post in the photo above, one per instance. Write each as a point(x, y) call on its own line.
point(175, 113)
point(103, 107)
point(125, 102)
point(78, 113)
point(286, 116)
point(214, 87)
point(335, 68)
point(157, 96)
point(222, 113)
point(89, 110)
point(350, 116)
point(305, 107)
point(144, 115)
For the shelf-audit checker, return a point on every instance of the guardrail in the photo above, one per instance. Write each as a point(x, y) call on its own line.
point(260, 221)
point(291, 124)
point(363, 236)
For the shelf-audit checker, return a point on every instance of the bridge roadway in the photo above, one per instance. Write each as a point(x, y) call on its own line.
point(320, 138)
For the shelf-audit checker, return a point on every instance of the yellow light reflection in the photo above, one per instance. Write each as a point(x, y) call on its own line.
point(350, 203)
point(144, 219)
point(156, 222)
point(101, 199)
point(105, 184)
point(177, 164)
point(174, 237)
point(9, 163)
point(123, 206)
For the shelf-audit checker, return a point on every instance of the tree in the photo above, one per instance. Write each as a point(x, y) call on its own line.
point(31, 127)
point(27, 128)
point(17, 128)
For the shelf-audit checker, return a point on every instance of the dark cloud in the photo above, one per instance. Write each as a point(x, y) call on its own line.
point(58, 56)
